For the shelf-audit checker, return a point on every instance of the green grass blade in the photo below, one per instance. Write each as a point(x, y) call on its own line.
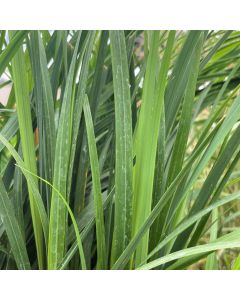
point(231, 242)
point(100, 230)
point(45, 111)
point(147, 135)
point(123, 131)
point(42, 84)
point(58, 216)
point(26, 132)
point(2, 39)
point(211, 263)
point(159, 183)
point(18, 195)
point(81, 90)
point(236, 265)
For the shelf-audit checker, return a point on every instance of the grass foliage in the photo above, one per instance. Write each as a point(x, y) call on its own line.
point(119, 149)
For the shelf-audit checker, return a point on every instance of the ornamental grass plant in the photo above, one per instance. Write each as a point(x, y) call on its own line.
point(119, 150)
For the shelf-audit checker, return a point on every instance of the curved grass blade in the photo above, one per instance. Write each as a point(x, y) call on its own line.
point(85, 223)
point(75, 226)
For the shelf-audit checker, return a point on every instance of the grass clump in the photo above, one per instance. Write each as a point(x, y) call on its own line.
point(119, 149)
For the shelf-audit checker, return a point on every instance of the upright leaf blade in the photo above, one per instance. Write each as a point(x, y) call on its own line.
point(26, 132)
point(97, 195)
point(58, 212)
point(124, 155)
point(147, 135)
